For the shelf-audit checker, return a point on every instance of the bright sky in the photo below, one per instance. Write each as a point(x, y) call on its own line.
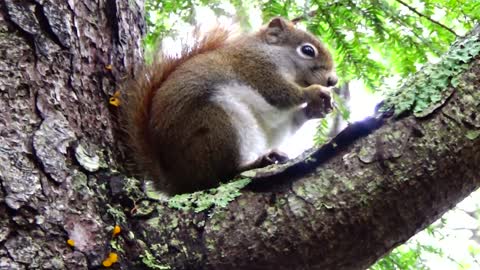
point(361, 104)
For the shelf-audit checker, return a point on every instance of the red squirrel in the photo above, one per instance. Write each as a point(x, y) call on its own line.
point(225, 104)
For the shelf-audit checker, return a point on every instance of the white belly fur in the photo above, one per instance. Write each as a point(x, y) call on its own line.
point(260, 126)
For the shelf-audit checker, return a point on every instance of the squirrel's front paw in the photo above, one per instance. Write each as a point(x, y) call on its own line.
point(272, 157)
point(320, 101)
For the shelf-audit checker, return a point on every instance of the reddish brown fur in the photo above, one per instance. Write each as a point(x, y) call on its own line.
point(182, 137)
point(139, 92)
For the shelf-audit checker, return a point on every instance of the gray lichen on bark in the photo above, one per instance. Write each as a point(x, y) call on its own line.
point(50, 142)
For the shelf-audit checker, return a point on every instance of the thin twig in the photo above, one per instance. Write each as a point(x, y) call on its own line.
point(427, 17)
point(312, 13)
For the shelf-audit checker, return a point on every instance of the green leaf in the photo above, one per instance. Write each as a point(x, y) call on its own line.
point(472, 134)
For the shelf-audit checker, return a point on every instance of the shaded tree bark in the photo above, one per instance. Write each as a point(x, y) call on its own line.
point(341, 206)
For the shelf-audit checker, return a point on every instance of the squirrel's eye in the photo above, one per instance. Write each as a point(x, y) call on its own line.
point(307, 51)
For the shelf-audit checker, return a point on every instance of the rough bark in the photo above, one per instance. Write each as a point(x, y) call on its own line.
point(54, 85)
point(338, 207)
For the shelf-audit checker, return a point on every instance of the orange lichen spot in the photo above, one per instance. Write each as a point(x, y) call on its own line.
point(108, 67)
point(70, 242)
point(113, 257)
point(107, 263)
point(115, 99)
point(116, 230)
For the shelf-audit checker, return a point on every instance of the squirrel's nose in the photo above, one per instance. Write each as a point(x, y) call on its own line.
point(332, 80)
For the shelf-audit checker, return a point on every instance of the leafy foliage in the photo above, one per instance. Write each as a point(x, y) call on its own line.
point(407, 257)
point(356, 29)
point(370, 39)
point(323, 127)
point(423, 91)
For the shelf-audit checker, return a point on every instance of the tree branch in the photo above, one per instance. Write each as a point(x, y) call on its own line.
point(305, 16)
point(427, 17)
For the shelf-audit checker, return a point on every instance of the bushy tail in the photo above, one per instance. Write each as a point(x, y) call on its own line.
point(138, 93)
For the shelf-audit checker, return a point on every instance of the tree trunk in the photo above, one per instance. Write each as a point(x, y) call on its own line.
point(55, 82)
point(341, 206)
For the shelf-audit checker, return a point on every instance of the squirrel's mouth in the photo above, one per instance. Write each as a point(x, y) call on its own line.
point(307, 83)
point(304, 83)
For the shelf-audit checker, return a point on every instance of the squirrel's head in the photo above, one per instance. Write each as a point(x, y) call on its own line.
point(305, 58)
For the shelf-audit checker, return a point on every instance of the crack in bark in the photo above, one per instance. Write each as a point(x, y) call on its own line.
point(44, 24)
point(292, 190)
point(453, 119)
point(34, 158)
point(261, 218)
point(28, 37)
point(39, 165)
point(3, 192)
point(73, 16)
point(112, 19)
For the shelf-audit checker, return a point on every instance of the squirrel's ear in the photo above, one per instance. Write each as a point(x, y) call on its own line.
point(277, 23)
point(275, 30)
